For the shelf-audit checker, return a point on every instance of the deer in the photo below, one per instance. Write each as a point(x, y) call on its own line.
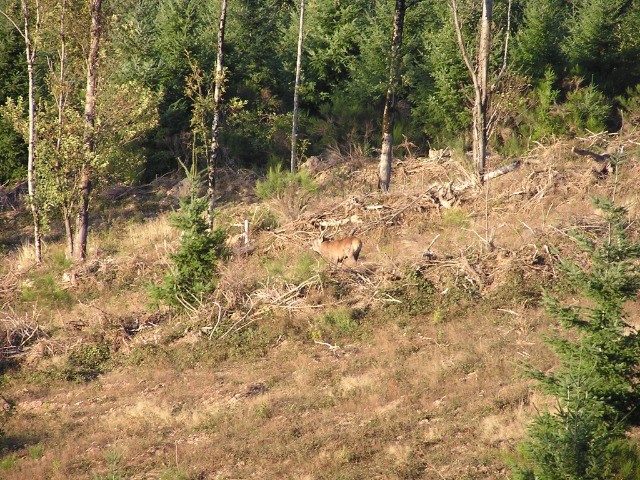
point(338, 251)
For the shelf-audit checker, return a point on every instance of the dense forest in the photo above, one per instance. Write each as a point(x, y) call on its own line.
point(571, 66)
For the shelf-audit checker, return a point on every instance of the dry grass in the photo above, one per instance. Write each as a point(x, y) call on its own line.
point(407, 366)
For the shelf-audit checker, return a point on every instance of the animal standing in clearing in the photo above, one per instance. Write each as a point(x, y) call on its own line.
point(338, 250)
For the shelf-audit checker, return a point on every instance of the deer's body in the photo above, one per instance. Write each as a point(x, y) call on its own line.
point(338, 250)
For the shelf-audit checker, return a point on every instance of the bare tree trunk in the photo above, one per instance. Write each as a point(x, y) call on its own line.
point(482, 101)
point(480, 80)
point(217, 101)
point(31, 52)
point(294, 128)
point(388, 117)
point(82, 222)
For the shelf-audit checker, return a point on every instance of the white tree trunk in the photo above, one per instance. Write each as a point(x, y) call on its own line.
point(294, 128)
point(31, 52)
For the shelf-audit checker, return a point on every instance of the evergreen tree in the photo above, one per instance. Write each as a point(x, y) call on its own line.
point(192, 272)
point(13, 84)
point(596, 383)
point(537, 46)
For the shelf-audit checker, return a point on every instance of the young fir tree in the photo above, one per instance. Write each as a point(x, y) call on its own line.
point(193, 271)
point(596, 383)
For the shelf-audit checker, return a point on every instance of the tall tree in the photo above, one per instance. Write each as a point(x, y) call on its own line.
point(214, 158)
point(388, 117)
point(480, 78)
point(31, 39)
point(61, 94)
point(296, 88)
point(82, 223)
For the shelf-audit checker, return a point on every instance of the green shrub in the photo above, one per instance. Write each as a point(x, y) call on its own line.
point(44, 289)
point(291, 270)
point(279, 181)
point(264, 219)
point(334, 325)
point(544, 123)
point(86, 362)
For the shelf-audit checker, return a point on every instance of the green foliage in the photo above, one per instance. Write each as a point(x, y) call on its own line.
point(537, 44)
point(7, 462)
point(594, 47)
point(13, 81)
point(416, 295)
point(334, 325)
point(455, 217)
point(193, 265)
point(86, 362)
point(576, 444)
point(278, 181)
point(629, 105)
point(44, 289)
point(586, 109)
point(292, 270)
point(264, 219)
point(543, 123)
point(596, 383)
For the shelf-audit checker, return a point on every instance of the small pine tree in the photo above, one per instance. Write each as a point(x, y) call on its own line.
point(596, 383)
point(193, 269)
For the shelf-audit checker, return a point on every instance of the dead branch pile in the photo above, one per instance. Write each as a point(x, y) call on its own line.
point(17, 331)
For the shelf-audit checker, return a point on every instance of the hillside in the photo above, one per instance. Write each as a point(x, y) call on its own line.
point(406, 366)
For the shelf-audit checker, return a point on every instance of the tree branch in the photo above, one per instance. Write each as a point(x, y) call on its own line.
point(15, 25)
point(506, 47)
point(463, 49)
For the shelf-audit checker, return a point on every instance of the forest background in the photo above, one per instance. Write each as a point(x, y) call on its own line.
point(572, 66)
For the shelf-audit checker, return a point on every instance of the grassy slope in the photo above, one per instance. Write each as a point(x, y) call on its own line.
point(407, 367)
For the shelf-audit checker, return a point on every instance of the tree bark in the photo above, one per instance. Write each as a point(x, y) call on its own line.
point(217, 101)
point(82, 222)
point(294, 128)
point(388, 117)
point(31, 53)
point(482, 95)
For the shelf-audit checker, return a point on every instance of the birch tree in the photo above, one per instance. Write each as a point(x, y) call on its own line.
point(388, 117)
point(31, 41)
point(296, 88)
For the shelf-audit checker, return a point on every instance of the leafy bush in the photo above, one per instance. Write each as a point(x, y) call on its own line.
point(44, 289)
point(86, 362)
point(334, 324)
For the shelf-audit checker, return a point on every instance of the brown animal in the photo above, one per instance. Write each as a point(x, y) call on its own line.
point(338, 250)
